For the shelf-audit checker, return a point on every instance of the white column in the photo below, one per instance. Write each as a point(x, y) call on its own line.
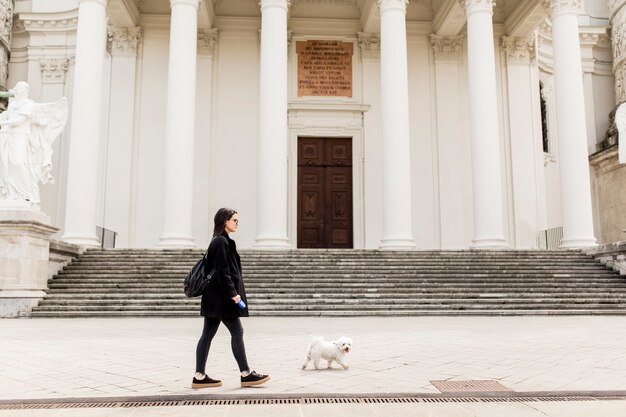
point(123, 44)
point(526, 147)
point(202, 219)
point(53, 86)
point(272, 152)
point(486, 175)
point(447, 52)
point(571, 126)
point(394, 85)
point(180, 126)
point(82, 182)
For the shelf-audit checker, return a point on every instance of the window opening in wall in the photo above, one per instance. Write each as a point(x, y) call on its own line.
point(544, 119)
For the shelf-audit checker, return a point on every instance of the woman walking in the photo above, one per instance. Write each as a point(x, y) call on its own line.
point(224, 301)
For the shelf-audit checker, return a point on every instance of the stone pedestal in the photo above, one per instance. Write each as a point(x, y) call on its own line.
point(24, 250)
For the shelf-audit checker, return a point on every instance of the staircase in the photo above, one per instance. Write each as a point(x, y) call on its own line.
point(125, 282)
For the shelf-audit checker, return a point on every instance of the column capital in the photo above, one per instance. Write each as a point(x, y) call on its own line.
point(558, 7)
point(519, 50)
point(385, 5)
point(369, 44)
point(207, 39)
point(447, 48)
point(473, 6)
point(102, 3)
point(192, 3)
point(123, 40)
point(283, 4)
point(54, 70)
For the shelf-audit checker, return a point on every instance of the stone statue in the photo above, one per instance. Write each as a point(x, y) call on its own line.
point(27, 132)
point(620, 123)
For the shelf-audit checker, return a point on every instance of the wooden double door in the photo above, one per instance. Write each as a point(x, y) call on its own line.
point(325, 193)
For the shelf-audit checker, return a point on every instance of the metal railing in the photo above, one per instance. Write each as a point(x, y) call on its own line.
point(106, 237)
point(550, 238)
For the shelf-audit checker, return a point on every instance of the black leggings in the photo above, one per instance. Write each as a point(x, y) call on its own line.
point(236, 341)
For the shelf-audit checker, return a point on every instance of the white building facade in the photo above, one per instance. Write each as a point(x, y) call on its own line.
point(389, 124)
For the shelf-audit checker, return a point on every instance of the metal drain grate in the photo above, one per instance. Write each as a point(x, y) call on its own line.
point(470, 386)
point(506, 397)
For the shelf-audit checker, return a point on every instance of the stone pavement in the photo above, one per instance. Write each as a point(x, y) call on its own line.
point(87, 358)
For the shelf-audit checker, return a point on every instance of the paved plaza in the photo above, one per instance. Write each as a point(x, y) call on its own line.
point(154, 357)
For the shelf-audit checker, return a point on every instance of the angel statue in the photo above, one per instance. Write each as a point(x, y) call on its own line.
point(27, 132)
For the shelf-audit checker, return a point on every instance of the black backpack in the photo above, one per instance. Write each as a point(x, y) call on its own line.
point(198, 278)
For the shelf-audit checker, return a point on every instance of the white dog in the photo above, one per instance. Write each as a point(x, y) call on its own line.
point(332, 351)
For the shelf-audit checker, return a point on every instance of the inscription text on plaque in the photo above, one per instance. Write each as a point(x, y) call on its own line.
point(324, 68)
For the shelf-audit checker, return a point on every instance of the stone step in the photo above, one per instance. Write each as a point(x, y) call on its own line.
point(319, 286)
point(323, 260)
point(348, 260)
point(447, 306)
point(313, 272)
point(117, 269)
point(285, 303)
point(364, 281)
point(307, 313)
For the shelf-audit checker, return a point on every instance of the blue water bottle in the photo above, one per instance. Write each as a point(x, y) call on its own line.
point(241, 304)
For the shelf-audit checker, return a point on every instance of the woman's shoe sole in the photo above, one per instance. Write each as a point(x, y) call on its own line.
point(199, 386)
point(253, 383)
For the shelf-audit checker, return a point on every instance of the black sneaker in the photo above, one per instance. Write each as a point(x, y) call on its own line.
point(206, 382)
point(254, 379)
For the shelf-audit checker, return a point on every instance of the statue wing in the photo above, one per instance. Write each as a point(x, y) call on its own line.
point(620, 123)
point(47, 122)
point(50, 118)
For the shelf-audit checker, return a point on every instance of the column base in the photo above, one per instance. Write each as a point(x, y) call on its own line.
point(578, 242)
point(495, 243)
point(398, 244)
point(19, 303)
point(88, 241)
point(272, 243)
point(176, 242)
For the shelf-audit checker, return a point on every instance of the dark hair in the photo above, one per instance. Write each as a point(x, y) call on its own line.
point(220, 219)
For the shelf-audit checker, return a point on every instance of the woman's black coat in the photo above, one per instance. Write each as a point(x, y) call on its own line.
point(226, 282)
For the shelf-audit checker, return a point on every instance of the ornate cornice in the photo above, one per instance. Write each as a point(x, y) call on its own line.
point(369, 44)
point(447, 48)
point(54, 69)
point(207, 39)
point(123, 41)
point(385, 5)
point(473, 6)
point(519, 50)
point(47, 22)
point(558, 7)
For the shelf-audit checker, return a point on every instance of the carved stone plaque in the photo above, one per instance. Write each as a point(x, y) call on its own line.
point(324, 68)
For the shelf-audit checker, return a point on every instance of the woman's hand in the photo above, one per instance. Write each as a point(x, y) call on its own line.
point(236, 298)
